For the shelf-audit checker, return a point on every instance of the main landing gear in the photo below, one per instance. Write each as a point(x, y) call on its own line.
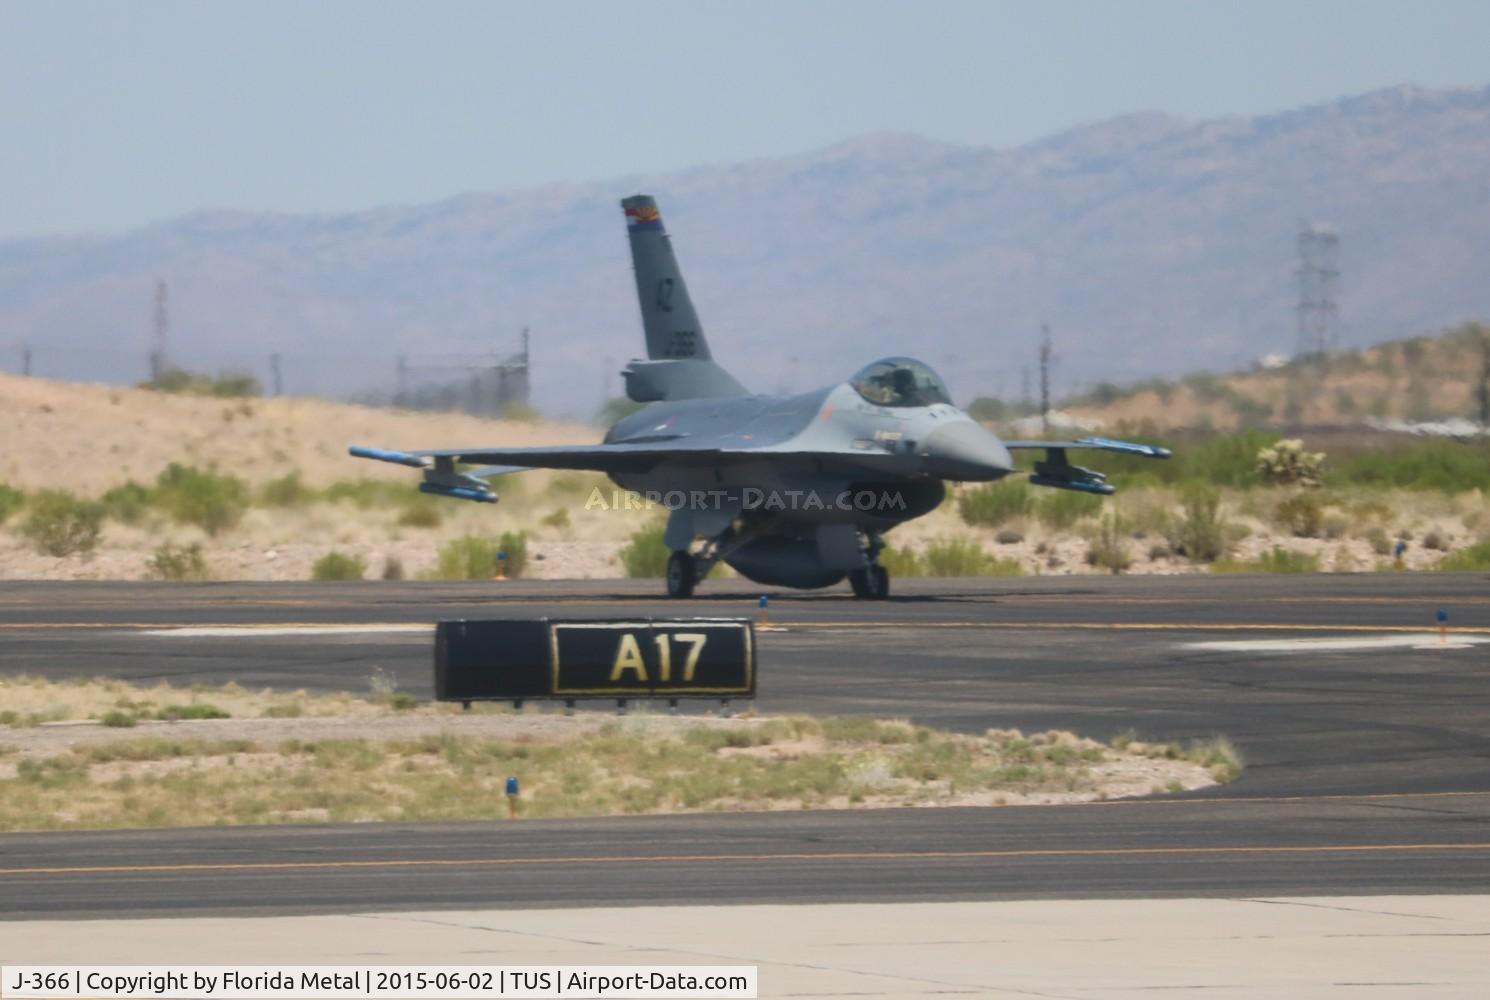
point(872, 582)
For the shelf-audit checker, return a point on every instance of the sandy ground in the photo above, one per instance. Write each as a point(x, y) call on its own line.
point(86, 437)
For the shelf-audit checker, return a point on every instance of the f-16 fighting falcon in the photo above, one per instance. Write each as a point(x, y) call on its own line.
point(794, 491)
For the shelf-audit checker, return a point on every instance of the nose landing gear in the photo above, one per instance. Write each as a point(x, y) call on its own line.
point(682, 574)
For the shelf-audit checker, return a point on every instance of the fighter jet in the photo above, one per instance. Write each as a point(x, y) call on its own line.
point(788, 490)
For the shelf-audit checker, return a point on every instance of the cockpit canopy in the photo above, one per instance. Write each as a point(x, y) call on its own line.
point(900, 382)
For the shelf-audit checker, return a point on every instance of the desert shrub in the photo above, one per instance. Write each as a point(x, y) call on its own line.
point(127, 503)
point(988, 409)
point(1160, 550)
point(393, 568)
point(1446, 466)
point(119, 719)
point(902, 562)
point(1060, 509)
point(59, 524)
point(286, 491)
point(616, 408)
point(338, 566)
point(365, 493)
point(1335, 526)
point(226, 384)
point(521, 412)
point(1200, 533)
point(512, 553)
point(995, 503)
point(1380, 543)
point(1008, 537)
point(195, 710)
point(1433, 540)
point(958, 557)
point(469, 557)
point(177, 562)
point(211, 501)
point(236, 384)
point(1279, 560)
point(557, 518)
point(11, 500)
point(1286, 463)
point(1108, 547)
point(420, 515)
point(645, 555)
point(1301, 514)
point(1476, 557)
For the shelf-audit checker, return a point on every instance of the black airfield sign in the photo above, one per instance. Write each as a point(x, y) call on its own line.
point(515, 660)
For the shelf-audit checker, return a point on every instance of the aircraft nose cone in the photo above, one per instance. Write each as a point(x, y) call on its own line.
point(966, 451)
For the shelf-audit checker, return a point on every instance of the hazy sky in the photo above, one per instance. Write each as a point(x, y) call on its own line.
point(116, 114)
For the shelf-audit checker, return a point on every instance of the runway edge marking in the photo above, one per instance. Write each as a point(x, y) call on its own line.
point(1094, 852)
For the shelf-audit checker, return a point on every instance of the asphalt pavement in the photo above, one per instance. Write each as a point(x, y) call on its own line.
point(1367, 743)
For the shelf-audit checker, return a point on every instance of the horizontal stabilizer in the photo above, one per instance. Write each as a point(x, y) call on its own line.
point(651, 381)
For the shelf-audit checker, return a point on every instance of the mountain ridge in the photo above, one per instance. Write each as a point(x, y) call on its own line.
point(1152, 243)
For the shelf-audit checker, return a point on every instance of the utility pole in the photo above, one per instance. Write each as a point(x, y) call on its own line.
point(1046, 357)
point(162, 330)
point(277, 374)
point(26, 360)
point(1482, 392)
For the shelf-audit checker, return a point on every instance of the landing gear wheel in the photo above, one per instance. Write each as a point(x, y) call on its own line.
point(681, 574)
point(871, 583)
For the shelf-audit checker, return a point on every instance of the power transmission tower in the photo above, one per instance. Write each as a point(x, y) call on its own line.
point(1047, 356)
point(1482, 391)
point(1319, 291)
point(162, 331)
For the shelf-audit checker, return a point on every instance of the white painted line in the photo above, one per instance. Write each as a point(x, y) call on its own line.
point(262, 631)
point(1427, 640)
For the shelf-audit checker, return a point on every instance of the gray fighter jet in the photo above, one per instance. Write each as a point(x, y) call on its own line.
point(793, 491)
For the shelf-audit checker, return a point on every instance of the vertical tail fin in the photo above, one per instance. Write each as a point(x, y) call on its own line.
point(671, 325)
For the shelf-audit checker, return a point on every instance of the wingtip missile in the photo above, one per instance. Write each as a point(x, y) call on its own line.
point(384, 455)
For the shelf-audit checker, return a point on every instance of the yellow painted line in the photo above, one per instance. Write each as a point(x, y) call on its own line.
point(1425, 629)
point(1094, 852)
point(788, 626)
point(1215, 599)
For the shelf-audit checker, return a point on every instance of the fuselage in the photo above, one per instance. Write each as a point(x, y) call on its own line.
point(829, 456)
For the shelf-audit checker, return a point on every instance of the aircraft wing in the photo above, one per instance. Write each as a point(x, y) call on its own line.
point(1056, 472)
point(1093, 444)
point(441, 476)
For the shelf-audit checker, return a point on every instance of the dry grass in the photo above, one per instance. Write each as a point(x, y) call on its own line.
point(570, 767)
point(33, 701)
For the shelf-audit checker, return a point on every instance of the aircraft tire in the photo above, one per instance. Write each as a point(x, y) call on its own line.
point(871, 583)
point(682, 576)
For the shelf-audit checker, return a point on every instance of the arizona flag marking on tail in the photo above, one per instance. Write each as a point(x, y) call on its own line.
point(643, 217)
